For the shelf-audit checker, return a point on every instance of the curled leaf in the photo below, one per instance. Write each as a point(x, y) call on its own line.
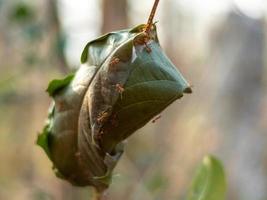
point(124, 81)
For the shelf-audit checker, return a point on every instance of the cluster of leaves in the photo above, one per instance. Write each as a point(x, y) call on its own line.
point(124, 81)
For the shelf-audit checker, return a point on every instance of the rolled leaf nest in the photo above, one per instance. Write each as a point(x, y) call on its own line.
point(125, 80)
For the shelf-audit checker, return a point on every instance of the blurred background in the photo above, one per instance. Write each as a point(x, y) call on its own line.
point(219, 46)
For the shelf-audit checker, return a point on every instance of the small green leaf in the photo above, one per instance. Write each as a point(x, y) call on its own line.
point(42, 140)
point(58, 84)
point(43, 137)
point(209, 182)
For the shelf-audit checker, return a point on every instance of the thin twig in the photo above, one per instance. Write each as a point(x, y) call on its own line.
point(151, 16)
point(98, 195)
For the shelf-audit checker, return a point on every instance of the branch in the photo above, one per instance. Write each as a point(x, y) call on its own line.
point(151, 16)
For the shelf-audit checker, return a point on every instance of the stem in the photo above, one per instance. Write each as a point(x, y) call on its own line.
point(98, 195)
point(151, 16)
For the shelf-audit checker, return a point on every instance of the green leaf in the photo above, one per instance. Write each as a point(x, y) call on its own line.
point(153, 84)
point(42, 140)
point(59, 84)
point(43, 137)
point(209, 182)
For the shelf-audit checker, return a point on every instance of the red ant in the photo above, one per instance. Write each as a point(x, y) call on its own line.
point(102, 117)
point(114, 61)
point(143, 40)
point(156, 119)
point(119, 89)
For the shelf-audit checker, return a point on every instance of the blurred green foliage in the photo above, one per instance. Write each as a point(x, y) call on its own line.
point(209, 182)
point(156, 183)
point(21, 12)
point(7, 89)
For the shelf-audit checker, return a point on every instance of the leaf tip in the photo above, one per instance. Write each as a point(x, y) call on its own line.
point(209, 182)
point(188, 90)
point(84, 55)
point(55, 85)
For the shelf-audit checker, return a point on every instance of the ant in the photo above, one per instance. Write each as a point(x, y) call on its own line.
point(114, 61)
point(156, 119)
point(119, 89)
point(102, 117)
point(143, 40)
